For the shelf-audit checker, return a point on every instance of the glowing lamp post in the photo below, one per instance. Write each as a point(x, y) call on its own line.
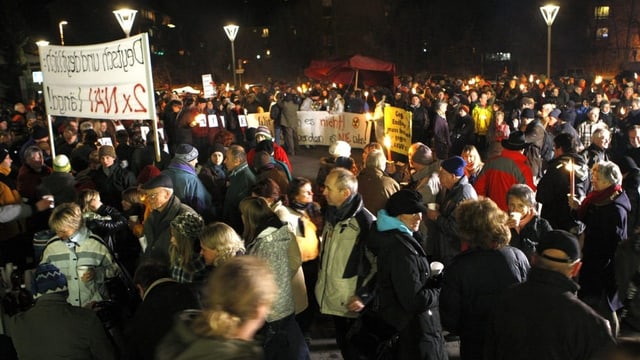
point(549, 13)
point(125, 18)
point(232, 31)
point(61, 25)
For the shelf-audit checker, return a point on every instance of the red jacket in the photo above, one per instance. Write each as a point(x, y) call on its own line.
point(502, 172)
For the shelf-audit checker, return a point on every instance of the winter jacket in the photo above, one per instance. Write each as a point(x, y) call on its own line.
point(111, 186)
point(606, 227)
point(241, 179)
point(34, 332)
point(154, 317)
point(157, 230)
point(441, 139)
point(9, 195)
point(502, 172)
point(183, 344)
point(444, 242)
point(529, 236)
point(345, 263)
point(408, 300)
point(554, 187)
point(278, 154)
point(471, 285)
point(61, 185)
point(376, 188)
point(558, 325)
point(188, 188)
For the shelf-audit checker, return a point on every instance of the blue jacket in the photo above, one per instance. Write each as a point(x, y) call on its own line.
point(187, 187)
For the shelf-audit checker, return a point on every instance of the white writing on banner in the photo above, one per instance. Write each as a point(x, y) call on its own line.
point(104, 81)
point(323, 128)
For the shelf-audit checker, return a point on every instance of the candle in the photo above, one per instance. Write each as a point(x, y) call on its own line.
point(572, 179)
point(387, 144)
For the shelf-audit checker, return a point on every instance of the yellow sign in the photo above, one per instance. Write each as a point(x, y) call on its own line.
point(397, 125)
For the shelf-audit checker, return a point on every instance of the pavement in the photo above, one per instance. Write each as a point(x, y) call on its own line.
point(323, 346)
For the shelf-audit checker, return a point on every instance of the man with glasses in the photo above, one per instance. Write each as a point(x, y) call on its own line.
point(165, 206)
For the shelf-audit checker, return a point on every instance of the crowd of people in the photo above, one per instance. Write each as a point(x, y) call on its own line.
point(526, 192)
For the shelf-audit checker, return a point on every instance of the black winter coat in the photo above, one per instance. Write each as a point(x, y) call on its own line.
point(406, 296)
point(558, 325)
point(470, 287)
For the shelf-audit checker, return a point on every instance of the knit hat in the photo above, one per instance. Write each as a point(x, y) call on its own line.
point(4, 152)
point(555, 113)
point(454, 165)
point(160, 181)
point(405, 201)
point(527, 114)
point(263, 131)
point(188, 224)
point(107, 150)
point(423, 155)
point(217, 147)
point(516, 141)
point(559, 240)
point(340, 148)
point(48, 279)
point(39, 132)
point(186, 152)
point(61, 163)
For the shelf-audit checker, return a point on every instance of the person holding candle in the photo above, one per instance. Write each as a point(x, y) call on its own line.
point(556, 184)
point(604, 213)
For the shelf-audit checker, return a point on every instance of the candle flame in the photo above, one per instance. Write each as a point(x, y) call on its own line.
point(387, 141)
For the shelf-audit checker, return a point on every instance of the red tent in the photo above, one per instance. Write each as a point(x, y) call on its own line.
point(356, 69)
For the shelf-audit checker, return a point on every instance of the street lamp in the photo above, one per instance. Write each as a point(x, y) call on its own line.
point(60, 25)
point(549, 13)
point(232, 31)
point(125, 18)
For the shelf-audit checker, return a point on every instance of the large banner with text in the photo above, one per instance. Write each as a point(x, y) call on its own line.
point(106, 81)
point(323, 128)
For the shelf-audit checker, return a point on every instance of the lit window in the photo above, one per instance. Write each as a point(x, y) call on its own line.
point(602, 12)
point(602, 33)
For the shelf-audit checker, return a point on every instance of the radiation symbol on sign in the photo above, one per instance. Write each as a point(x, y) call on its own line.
point(355, 122)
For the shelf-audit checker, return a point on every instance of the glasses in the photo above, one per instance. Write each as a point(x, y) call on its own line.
point(149, 196)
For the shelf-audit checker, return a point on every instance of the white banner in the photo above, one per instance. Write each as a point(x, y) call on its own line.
point(101, 81)
point(323, 128)
point(207, 86)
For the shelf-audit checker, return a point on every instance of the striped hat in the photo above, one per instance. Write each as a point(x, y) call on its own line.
point(48, 279)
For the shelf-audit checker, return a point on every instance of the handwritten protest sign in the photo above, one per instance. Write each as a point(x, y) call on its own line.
point(323, 128)
point(397, 125)
point(105, 81)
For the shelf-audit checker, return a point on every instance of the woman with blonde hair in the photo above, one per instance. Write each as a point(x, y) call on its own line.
point(474, 162)
point(268, 238)
point(239, 297)
point(477, 276)
point(219, 243)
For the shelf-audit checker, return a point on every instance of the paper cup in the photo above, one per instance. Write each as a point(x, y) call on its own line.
point(516, 216)
point(133, 218)
point(436, 267)
point(143, 243)
point(433, 206)
point(83, 269)
point(50, 198)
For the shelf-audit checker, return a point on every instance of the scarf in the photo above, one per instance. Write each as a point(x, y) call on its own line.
point(596, 197)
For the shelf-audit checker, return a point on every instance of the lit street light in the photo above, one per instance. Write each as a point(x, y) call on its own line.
point(125, 18)
point(61, 24)
point(232, 31)
point(549, 13)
